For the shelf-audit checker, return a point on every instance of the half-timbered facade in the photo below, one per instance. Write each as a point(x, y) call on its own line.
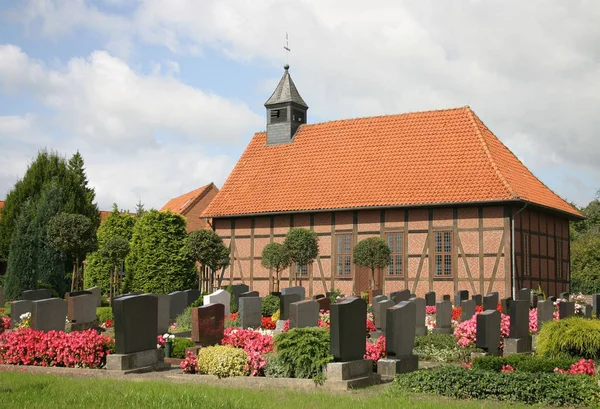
point(456, 207)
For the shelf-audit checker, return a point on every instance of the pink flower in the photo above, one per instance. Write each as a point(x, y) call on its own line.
point(507, 368)
point(254, 343)
point(376, 350)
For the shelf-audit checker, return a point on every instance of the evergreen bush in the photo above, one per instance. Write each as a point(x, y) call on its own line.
point(179, 347)
point(522, 363)
point(574, 337)
point(270, 304)
point(303, 352)
point(222, 361)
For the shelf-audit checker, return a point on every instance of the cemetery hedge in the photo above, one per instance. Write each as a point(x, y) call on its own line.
point(302, 352)
point(222, 361)
point(179, 346)
point(574, 337)
point(157, 262)
point(522, 363)
point(529, 388)
point(270, 305)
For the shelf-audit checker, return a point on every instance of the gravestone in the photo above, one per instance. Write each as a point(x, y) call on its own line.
point(506, 305)
point(443, 318)
point(317, 296)
point(207, 324)
point(18, 308)
point(129, 294)
point(564, 296)
point(324, 303)
point(379, 298)
point(163, 313)
point(566, 309)
point(545, 311)
point(34, 295)
point(192, 296)
point(219, 297)
point(490, 301)
point(533, 300)
point(347, 329)
point(238, 289)
point(399, 296)
point(81, 309)
point(250, 294)
point(276, 293)
point(524, 294)
point(446, 297)
point(420, 328)
point(460, 296)
point(468, 309)
point(587, 311)
point(97, 294)
point(374, 293)
point(400, 341)
point(136, 319)
point(478, 299)
point(430, 299)
point(519, 340)
point(177, 303)
point(76, 293)
point(379, 312)
point(596, 304)
point(488, 332)
point(284, 305)
point(250, 312)
point(552, 298)
point(301, 291)
point(2, 297)
point(304, 314)
point(49, 315)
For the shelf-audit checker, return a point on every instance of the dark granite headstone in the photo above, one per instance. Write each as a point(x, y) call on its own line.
point(506, 305)
point(81, 309)
point(400, 330)
point(34, 295)
point(317, 296)
point(324, 303)
point(1, 297)
point(304, 314)
point(519, 319)
point(250, 294)
point(163, 313)
point(566, 309)
point(446, 297)
point(379, 298)
point(49, 315)
point(478, 298)
point(467, 309)
point(460, 296)
point(128, 294)
point(301, 291)
point(420, 328)
point(97, 293)
point(136, 326)
point(399, 296)
point(596, 304)
point(238, 289)
point(490, 301)
point(553, 298)
point(488, 331)
point(177, 303)
point(564, 296)
point(533, 300)
point(379, 312)
point(587, 311)
point(284, 305)
point(207, 324)
point(250, 312)
point(76, 293)
point(443, 318)
point(524, 294)
point(18, 308)
point(430, 299)
point(545, 310)
point(348, 330)
point(192, 296)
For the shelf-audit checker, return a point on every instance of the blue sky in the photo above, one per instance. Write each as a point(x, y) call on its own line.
point(162, 97)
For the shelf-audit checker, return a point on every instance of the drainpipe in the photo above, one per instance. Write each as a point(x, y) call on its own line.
point(514, 257)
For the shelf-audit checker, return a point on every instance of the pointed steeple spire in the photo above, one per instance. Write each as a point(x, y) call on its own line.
point(286, 111)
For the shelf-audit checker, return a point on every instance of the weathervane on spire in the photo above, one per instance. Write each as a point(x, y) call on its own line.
point(287, 54)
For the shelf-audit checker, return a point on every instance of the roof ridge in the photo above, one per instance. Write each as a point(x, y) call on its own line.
point(486, 149)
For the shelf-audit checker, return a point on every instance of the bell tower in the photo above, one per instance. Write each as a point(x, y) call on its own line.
point(286, 111)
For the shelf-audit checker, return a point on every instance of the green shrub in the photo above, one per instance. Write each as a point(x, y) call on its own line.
point(270, 304)
point(222, 361)
point(275, 368)
point(199, 302)
point(303, 352)
point(183, 322)
point(441, 348)
point(529, 388)
point(103, 314)
point(574, 337)
point(522, 363)
point(232, 304)
point(179, 346)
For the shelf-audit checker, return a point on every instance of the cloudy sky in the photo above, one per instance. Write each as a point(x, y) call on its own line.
point(161, 97)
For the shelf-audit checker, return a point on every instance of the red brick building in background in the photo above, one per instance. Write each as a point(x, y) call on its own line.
point(456, 206)
point(192, 204)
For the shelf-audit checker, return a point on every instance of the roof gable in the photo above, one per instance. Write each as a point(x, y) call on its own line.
point(423, 158)
point(182, 204)
point(285, 92)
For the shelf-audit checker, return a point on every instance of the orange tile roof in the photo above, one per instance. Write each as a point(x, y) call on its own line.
point(105, 213)
point(422, 158)
point(183, 203)
point(1, 204)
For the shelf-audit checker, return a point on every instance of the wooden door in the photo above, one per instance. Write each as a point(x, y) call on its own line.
point(363, 279)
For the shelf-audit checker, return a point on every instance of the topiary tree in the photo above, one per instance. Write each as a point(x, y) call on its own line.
point(98, 267)
point(74, 235)
point(157, 261)
point(208, 250)
point(302, 246)
point(373, 253)
point(115, 249)
point(275, 256)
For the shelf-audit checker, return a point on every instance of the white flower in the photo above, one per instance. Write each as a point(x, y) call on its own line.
point(27, 315)
point(166, 336)
point(171, 336)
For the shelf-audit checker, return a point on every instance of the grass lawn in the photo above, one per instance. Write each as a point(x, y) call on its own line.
point(30, 390)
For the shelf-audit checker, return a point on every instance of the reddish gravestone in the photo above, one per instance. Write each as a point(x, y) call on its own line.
point(324, 303)
point(207, 324)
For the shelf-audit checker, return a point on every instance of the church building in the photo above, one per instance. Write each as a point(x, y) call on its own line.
point(457, 208)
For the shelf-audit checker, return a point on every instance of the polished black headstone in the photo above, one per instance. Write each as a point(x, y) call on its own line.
point(284, 304)
point(192, 296)
point(596, 304)
point(519, 319)
point(250, 294)
point(348, 330)
point(545, 310)
point(136, 323)
point(399, 296)
point(478, 298)
point(488, 331)
point(566, 309)
point(490, 301)
point(76, 293)
point(467, 309)
point(34, 295)
point(430, 299)
point(379, 311)
point(506, 305)
point(177, 303)
point(238, 289)
point(446, 297)
point(460, 296)
point(400, 329)
point(524, 294)
point(304, 314)
point(317, 296)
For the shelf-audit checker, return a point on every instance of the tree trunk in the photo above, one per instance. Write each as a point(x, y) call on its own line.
point(73, 277)
point(372, 278)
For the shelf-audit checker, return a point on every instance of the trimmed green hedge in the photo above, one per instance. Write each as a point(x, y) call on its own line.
point(574, 337)
point(179, 347)
point(103, 314)
point(522, 363)
point(529, 388)
point(270, 304)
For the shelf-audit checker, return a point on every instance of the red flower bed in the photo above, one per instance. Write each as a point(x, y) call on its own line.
point(85, 349)
point(254, 343)
point(376, 350)
point(456, 313)
point(582, 367)
point(267, 323)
